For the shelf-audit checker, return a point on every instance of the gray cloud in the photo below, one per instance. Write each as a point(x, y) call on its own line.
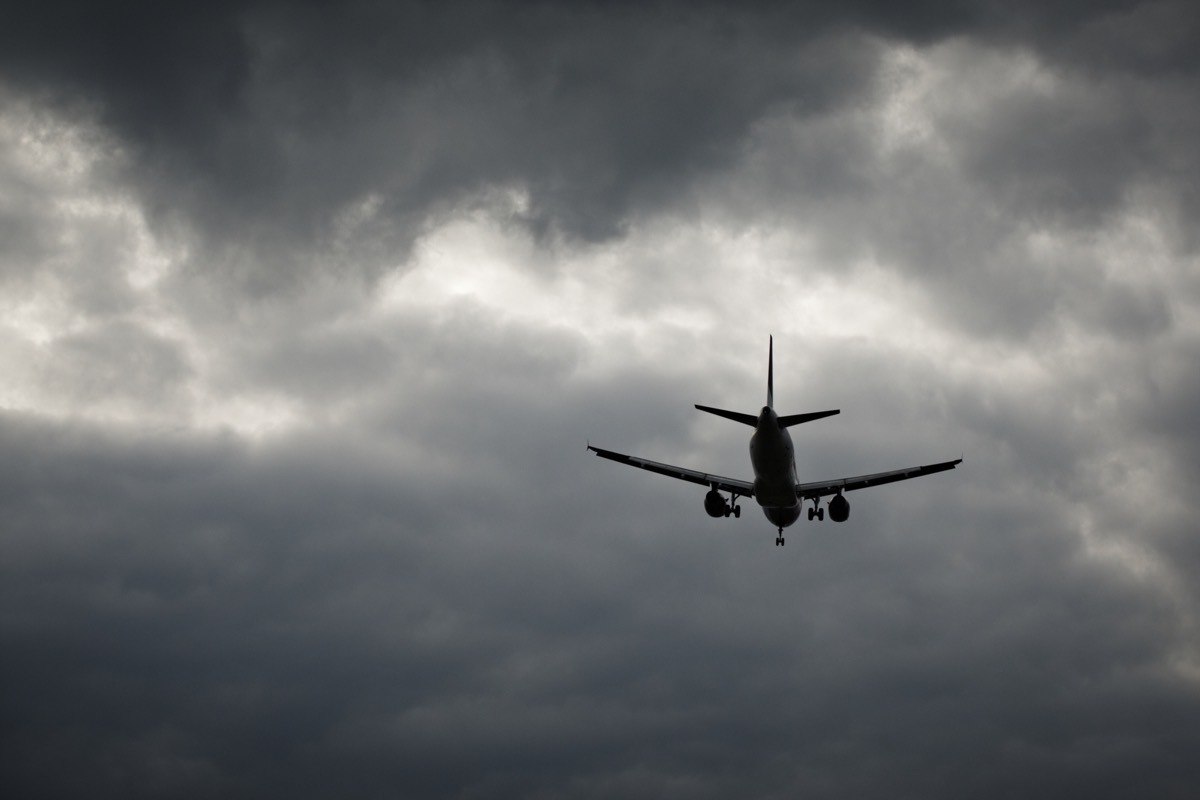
point(284, 121)
point(296, 502)
point(252, 627)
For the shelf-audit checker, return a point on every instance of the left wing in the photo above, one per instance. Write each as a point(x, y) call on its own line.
point(738, 488)
point(808, 491)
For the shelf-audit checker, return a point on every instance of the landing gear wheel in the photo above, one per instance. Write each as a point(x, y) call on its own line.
point(737, 511)
point(820, 513)
point(779, 541)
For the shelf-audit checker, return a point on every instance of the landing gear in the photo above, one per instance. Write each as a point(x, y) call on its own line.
point(779, 538)
point(816, 512)
point(717, 506)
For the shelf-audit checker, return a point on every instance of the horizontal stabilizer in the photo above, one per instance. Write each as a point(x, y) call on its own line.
point(736, 416)
point(796, 419)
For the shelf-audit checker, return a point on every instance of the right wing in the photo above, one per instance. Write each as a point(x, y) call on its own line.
point(738, 488)
point(807, 491)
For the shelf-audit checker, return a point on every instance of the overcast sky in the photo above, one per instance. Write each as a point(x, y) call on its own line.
point(308, 313)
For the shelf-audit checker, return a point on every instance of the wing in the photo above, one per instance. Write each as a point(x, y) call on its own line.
point(739, 488)
point(807, 491)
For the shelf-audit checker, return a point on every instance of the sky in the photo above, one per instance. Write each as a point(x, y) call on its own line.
point(308, 312)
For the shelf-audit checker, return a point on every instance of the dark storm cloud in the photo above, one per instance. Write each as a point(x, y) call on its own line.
point(247, 627)
point(1021, 152)
point(279, 129)
point(425, 586)
point(261, 123)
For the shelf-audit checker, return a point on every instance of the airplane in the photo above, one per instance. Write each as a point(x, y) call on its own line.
point(775, 487)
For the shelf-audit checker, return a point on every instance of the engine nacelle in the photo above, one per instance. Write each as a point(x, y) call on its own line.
point(715, 505)
point(839, 509)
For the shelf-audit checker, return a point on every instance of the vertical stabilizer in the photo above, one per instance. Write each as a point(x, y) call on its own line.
point(771, 374)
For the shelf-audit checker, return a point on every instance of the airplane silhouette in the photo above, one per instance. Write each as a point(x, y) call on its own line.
point(775, 487)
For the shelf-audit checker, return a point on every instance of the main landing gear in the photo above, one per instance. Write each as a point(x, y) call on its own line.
point(716, 505)
point(779, 538)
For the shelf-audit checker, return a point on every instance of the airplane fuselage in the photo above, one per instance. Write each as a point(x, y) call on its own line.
point(774, 461)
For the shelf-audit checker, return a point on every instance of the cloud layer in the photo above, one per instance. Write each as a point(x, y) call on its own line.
point(308, 314)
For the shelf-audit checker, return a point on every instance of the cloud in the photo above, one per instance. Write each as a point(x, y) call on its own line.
point(288, 125)
point(309, 313)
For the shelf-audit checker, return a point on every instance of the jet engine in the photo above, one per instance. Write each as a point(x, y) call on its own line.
point(715, 505)
point(839, 509)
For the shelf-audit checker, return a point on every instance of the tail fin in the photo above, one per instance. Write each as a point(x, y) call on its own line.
point(771, 374)
point(790, 419)
point(752, 420)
